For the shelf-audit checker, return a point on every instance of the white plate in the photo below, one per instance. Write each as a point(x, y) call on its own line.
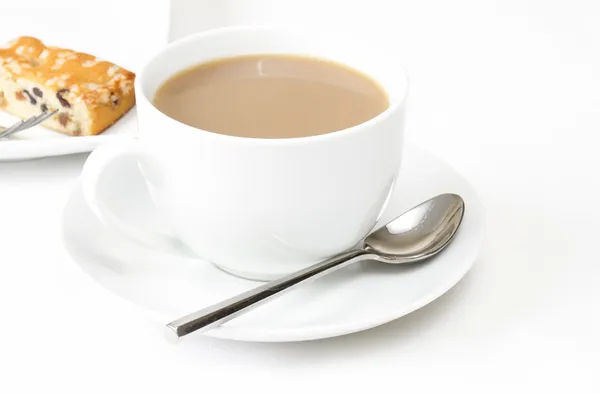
point(167, 284)
point(40, 142)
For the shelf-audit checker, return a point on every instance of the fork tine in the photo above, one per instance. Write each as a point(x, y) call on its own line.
point(24, 125)
point(27, 123)
point(42, 117)
point(16, 128)
point(35, 120)
point(12, 129)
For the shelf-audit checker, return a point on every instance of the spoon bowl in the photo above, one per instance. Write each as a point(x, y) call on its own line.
point(414, 236)
point(420, 233)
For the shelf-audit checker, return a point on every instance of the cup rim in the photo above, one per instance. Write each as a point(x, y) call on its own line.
point(393, 107)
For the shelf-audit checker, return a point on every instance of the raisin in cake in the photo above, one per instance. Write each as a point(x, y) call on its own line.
point(89, 93)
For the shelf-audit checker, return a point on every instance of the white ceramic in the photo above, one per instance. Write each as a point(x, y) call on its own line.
point(170, 284)
point(39, 141)
point(259, 208)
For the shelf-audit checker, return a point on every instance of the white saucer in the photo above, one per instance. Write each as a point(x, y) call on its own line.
point(169, 285)
point(39, 141)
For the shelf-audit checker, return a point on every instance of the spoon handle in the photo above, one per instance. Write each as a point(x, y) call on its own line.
point(224, 311)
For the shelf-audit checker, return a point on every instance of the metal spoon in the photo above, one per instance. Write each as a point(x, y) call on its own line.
point(416, 235)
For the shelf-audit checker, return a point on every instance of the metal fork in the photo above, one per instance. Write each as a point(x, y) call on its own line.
point(25, 124)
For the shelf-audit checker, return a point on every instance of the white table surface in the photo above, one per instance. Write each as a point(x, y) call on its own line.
point(507, 91)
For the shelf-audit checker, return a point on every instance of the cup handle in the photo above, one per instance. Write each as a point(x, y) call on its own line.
point(96, 165)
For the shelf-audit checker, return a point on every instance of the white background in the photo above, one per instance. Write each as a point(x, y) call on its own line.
point(507, 91)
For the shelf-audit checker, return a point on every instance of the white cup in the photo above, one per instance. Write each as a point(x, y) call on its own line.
point(259, 208)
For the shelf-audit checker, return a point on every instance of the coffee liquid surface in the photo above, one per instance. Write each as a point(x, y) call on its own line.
point(271, 96)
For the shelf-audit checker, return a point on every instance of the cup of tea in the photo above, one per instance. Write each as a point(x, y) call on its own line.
point(264, 149)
